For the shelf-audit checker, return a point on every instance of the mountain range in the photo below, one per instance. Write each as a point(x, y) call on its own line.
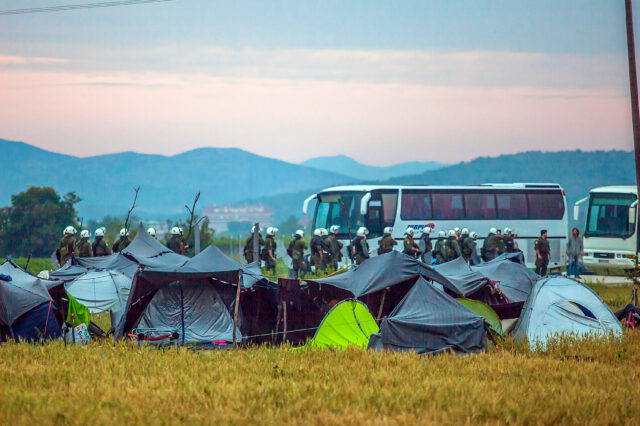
point(346, 166)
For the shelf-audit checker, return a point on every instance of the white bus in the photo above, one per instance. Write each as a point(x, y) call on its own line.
point(610, 237)
point(526, 208)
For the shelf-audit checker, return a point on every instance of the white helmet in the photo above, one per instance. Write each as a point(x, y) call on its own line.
point(272, 230)
point(426, 230)
point(456, 229)
point(151, 232)
point(334, 228)
point(253, 229)
point(464, 231)
point(181, 230)
point(362, 231)
point(452, 233)
point(474, 235)
point(317, 232)
point(99, 232)
point(85, 234)
point(124, 232)
point(175, 231)
point(409, 231)
point(300, 233)
point(442, 234)
point(493, 231)
point(388, 230)
point(324, 232)
point(507, 230)
point(69, 230)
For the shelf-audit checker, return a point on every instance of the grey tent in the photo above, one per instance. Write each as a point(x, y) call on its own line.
point(26, 307)
point(210, 268)
point(515, 280)
point(561, 305)
point(467, 281)
point(384, 271)
point(102, 291)
point(428, 320)
point(196, 312)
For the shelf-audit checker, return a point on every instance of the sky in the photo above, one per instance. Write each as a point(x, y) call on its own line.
point(382, 82)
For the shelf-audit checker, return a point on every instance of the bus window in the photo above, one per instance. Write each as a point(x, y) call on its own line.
point(609, 215)
point(479, 206)
point(389, 205)
point(448, 206)
point(416, 205)
point(545, 205)
point(329, 211)
point(512, 205)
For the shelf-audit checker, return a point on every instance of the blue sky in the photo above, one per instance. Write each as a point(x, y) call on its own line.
point(379, 81)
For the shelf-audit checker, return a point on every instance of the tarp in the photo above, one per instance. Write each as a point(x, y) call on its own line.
point(560, 305)
point(485, 312)
point(23, 293)
point(39, 323)
point(429, 320)
point(383, 271)
point(196, 312)
point(466, 280)
point(515, 280)
point(77, 313)
point(68, 272)
point(349, 323)
point(102, 291)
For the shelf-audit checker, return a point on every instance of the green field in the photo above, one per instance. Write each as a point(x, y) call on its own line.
point(592, 381)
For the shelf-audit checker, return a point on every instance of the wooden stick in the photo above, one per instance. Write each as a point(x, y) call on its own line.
point(235, 308)
point(384, 295)
point(284, 330)
point(192, 213)
point(133, 206)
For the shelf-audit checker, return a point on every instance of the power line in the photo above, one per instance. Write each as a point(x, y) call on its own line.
point(62, 8)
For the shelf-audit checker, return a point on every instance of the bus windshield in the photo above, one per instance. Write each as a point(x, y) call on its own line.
point(334, 209)
point(609, 216)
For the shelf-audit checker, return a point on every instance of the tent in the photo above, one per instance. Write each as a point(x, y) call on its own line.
point(514, 279)
point(349, 323)
point(197, 313)
point(211, 267)
point(468, 283)
point(102, 291)
point(485, 311)
point(428, 321)
point(561, 305)
point(26, 307)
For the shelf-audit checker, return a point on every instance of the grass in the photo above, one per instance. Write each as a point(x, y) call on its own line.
point(588, 381)
point(36, 264)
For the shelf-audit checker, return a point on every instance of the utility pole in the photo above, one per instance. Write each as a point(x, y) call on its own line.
point(633, 86)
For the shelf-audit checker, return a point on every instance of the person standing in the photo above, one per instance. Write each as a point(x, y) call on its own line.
point(387, 241)
point(440, 248)
point(467, 246)
point(427, 255)
point(452, 247)
point(335, 247)
point(575, 248)
point(269, 250)
point(175, 243)
point(68, 246)
point(490, 246)
point(360, 246)
point(122, 242)
point(248, 245)
point(317, 250)
point(298, 246)
point(100, 247)
point(84, 246)
point(543, 253)
point(475, 259)
point(410, 246)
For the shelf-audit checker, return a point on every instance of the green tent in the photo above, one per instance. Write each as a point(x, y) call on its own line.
point(349, 323)
point(484, 311)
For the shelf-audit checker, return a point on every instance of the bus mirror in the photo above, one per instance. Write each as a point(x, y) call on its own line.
point(305, 205)
point(576, 208)
point(633, 210)
point(364, 204)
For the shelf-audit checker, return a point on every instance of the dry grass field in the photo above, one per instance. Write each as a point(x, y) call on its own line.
point(591, 381)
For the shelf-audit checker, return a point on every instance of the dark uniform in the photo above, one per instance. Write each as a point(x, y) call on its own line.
point(335, 250)
point(509, 243)
point(68, 247)
point(100, 247)
point(453, 249)
point(176, 244)
point(298, 246)
point(121, 244)
point(542, 261)
point(502, 248)
point(248, 247)
point(490, 247)
point(84, 248)
point(410, 247)
point(386, 244)
point(440, 250)
point(468, 246)
point(361, 249)
point(317, 253)
point(427, 255)
point(269, 246)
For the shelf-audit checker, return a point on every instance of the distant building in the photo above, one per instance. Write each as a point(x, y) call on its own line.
point(221, 217)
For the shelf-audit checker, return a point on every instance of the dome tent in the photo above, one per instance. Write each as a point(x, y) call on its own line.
point(562, 306)
point(349, 323)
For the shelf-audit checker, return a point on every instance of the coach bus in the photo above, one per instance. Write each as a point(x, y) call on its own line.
point(526, 208)
point(610, 237)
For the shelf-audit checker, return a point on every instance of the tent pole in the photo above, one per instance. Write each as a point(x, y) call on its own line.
point(284, 330)
point(384, 295)
point(235, 308)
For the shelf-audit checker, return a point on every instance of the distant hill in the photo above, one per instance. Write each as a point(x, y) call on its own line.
point(347, 166)
point(105, 182)
point(576, 171)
